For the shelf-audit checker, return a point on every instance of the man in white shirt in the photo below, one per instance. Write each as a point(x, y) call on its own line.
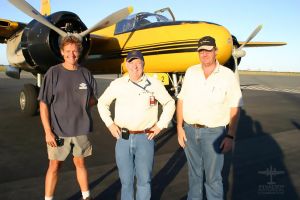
point(207, 117)
point(135, 124)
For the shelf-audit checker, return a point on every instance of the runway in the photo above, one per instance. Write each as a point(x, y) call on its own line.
point(264, 165)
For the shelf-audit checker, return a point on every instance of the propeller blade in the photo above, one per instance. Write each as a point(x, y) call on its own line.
point(236, 70)
point(29, 10)
point(238, 53)
point(253, 34)
point(109, 20)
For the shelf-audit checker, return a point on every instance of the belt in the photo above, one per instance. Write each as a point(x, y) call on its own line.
point(199, 126)
point(140, 132)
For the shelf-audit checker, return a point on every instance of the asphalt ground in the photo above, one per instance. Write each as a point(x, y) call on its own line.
point(264, 164)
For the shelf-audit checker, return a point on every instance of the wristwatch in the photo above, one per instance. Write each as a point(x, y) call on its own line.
point(229, 136)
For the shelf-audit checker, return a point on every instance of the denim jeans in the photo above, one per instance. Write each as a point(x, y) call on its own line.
point(202, 156)
point(134, 157)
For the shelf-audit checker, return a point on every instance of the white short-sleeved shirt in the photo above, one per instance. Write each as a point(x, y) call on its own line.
point(132, 107)
point(208, 101)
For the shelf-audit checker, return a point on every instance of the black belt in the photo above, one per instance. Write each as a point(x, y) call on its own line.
point(198, 126)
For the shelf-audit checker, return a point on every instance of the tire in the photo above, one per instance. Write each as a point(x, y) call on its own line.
point(28, 100)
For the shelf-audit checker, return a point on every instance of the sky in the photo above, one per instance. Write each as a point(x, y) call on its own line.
point(280, 20)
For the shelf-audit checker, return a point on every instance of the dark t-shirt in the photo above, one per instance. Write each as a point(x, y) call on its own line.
point(67, 95)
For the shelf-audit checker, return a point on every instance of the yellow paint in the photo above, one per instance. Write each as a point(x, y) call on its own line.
point(45, 7)
point(8, 28)
point(166, 37)
point(163, 77)
point(130, 9)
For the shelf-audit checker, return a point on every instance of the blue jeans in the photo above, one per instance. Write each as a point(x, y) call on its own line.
point(202, 156)
point(134, 157)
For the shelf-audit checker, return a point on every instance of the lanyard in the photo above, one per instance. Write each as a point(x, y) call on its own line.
point(144, 88)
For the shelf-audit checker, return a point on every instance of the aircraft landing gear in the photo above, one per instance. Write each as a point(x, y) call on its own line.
point(174, 91)
point(28, 98)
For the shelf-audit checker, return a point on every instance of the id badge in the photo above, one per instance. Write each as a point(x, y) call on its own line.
point(152, 100)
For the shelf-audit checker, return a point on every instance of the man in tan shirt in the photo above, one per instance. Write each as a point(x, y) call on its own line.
point(208, 102)
point(135, 124)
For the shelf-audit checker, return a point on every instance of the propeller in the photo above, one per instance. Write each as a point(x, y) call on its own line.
point(108, 21)
point(29, 10)
point(239, 52)
point(253, 34)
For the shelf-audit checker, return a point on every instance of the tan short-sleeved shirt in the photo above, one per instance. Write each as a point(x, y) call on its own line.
point(208, 101)
point(132, 107)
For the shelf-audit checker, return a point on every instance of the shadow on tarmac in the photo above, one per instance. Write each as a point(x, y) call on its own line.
point(159, 182)
point(163, 178)
point(255, 152)
point(297, 125)
point(256, 169)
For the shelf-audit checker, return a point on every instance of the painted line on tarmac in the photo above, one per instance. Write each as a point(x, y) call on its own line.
point(266, 88)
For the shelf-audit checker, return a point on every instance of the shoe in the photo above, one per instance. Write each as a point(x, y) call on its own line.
point(88, 198)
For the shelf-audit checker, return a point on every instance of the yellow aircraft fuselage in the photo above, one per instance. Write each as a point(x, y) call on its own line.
point(166, 48)
point(8, 28)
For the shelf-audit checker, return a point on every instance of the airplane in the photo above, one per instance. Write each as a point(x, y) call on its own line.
point(169, 46)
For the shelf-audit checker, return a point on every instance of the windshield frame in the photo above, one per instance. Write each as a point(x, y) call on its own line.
point(139, 21)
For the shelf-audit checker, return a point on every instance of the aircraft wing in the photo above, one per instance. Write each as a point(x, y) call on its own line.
point(9, 28)
point(100, 42)
point(263, 44)
point(100, 37)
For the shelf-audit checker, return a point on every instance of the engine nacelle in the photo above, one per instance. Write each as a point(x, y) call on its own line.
point(230, 63)
point(40, 45)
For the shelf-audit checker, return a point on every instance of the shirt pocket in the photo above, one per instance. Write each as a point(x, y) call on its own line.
point(218, 94)
point(144, 99)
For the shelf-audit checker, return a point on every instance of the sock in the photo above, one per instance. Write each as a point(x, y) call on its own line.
point(85, 194)
point(48, 198)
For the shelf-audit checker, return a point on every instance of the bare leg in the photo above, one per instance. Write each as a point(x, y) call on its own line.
point(81, 173)
point(51, 177)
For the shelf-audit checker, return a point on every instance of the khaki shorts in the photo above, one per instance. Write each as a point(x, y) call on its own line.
point(79, 145)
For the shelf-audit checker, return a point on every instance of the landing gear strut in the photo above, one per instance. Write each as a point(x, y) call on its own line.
point(176, 84)
point(174, 90)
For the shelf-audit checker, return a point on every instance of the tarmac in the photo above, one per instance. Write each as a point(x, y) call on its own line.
point(264, 164)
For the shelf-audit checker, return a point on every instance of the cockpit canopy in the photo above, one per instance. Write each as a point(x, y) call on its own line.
point(139, 21)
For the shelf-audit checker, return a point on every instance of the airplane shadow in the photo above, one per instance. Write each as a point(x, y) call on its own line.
point(159, 182)
point(167, 174)
point(256, 169)
point(297, 125)
point(95, 183)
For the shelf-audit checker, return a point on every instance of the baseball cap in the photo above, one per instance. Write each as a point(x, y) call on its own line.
point(135, 54)
point(206, 43)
